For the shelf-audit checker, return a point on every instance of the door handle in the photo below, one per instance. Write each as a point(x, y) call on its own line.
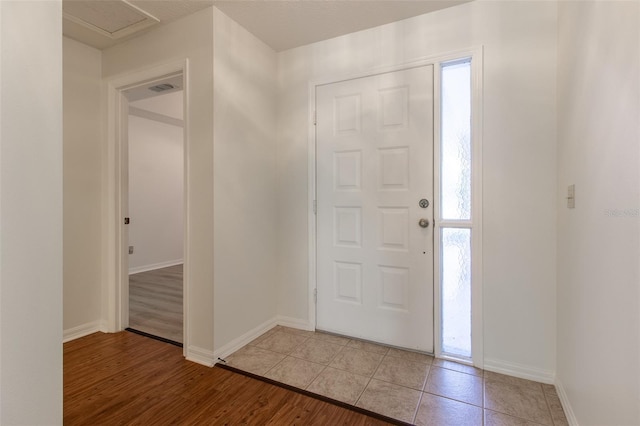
point(423, 223)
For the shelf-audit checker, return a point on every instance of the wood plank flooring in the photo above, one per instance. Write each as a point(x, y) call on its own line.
point(128, 379)
point(155, 302)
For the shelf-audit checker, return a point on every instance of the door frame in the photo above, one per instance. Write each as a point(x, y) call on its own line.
point(476, 54)
point(115, 192)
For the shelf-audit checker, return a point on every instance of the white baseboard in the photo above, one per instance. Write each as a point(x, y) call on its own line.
point(145, 268)
point(83, 330)
point(566, 406)
point(240, 341)
point(247, 337)
point(201, 356)
point(519, 370)
point(294, 323)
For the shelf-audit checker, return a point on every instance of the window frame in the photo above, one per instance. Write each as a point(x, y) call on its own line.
point(474, 223)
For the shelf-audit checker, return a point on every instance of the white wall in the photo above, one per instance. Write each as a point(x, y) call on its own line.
point(519, 155)
point(82, 186)
point(232, 171)
point(599, 241)
point(192, 38)
point(156, 171)
point(30, 213)
point(245, 206)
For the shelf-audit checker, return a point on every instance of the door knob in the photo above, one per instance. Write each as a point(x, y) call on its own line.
point(423, 223)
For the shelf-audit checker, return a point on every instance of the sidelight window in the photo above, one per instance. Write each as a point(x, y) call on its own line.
point(455, 230)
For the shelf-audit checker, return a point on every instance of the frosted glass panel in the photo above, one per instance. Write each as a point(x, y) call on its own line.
point(456, 141)
point(456, 291)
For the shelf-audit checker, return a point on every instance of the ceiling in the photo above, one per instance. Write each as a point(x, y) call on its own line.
point(280, 24)
point(105, 23)
point(287, 24)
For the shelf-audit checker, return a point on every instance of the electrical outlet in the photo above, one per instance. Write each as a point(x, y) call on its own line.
point(130, 249)
point(571, 197)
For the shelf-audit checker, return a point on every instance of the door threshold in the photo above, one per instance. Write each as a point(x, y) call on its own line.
point(346, 336)
point(151, 336)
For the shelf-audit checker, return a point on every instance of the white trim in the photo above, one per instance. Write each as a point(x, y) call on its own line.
point(242, 340)
point(200, 356)
point(311, 213)
point(296, 323)
point(476, 54)
point(417, 63)
point(437, 260)
point(116, 249)
point(186, 141)
point(566, 405)
point(83, 330)
point(154, 266)
point(519, 370)
point(477, 317)
point(250, 335)
point(154, 116)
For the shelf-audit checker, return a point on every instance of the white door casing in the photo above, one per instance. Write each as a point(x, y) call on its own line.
point(115, 164)
point(374, 163)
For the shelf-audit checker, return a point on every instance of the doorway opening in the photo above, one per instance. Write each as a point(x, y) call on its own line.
point(116, 166)
point(453, 212)
point(155, 190)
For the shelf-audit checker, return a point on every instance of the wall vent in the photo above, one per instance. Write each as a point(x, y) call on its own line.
point(161, 87)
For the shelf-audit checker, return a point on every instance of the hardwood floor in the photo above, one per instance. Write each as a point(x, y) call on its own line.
point(155, 302)
point(125, 378)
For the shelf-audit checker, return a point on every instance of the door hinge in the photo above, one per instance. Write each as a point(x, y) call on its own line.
point(315, 118)
point(315, 295)
point(315, 207)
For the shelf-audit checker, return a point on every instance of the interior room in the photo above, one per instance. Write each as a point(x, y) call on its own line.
point(555, 243)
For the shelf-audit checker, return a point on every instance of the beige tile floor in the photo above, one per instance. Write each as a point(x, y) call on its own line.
point(407, 386)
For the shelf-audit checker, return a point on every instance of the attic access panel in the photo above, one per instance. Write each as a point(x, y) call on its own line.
point(111, 18)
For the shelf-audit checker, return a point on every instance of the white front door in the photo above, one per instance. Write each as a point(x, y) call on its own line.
point(374, 141)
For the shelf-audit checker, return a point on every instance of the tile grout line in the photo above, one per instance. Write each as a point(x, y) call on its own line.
point(483, 400)
point(324, 366)
point(415, 413)
point(274, 366)
point(546, 400)
point(481, 407)
point(369, 382)
point(524, 388)
point(362, 392)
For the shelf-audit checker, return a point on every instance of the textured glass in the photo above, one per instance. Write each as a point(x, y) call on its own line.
point(456, 291)
point(456, 141)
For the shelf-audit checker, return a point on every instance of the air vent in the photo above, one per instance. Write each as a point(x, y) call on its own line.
point(162, 87)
